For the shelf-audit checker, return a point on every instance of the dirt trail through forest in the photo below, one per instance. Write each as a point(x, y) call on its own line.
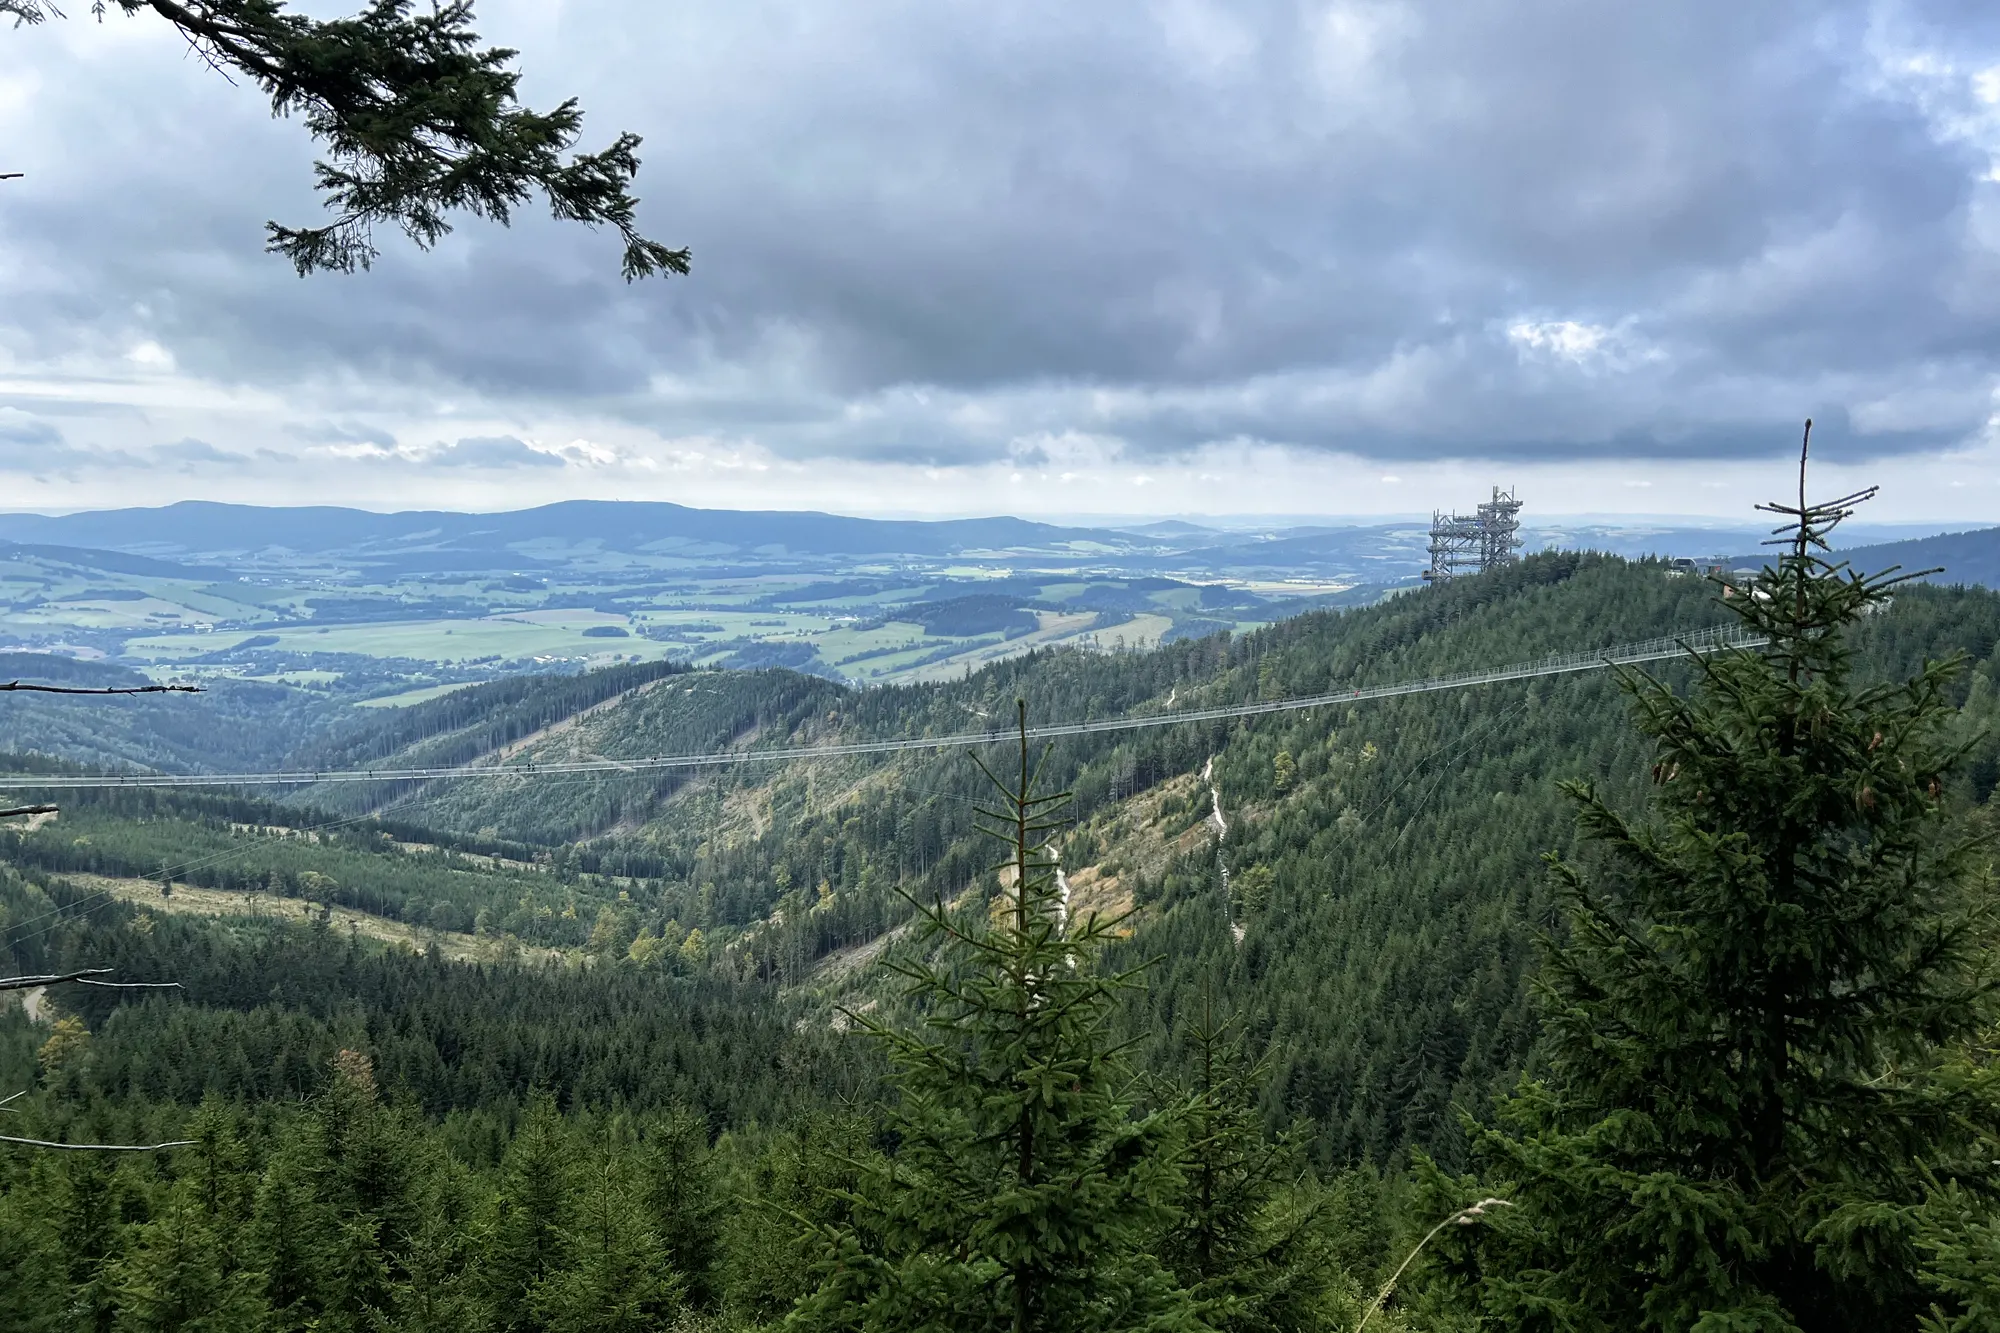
point(1221, 824)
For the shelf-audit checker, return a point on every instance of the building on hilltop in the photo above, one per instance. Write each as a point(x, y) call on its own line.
point(1473, 543)
point(1713, 566)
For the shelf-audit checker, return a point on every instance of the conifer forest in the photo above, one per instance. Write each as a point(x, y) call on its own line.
point(809, 692)
point(1661, 997)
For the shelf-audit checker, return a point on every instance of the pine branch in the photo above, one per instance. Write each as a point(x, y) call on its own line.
point(417, 122)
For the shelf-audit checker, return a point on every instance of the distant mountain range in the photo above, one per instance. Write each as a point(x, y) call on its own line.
point(204, 529)
point(166, 540)
point(1965, 557)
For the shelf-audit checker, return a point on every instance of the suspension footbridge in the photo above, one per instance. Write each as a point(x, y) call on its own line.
point(1700, 642)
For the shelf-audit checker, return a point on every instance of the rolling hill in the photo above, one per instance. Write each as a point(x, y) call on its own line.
point(1965, 557)
point(203, 528)
point(1384, 875)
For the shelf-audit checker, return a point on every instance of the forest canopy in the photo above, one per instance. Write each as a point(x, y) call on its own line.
point(719, 1050)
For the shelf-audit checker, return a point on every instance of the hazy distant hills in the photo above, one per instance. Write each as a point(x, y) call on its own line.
point(585, 533)
point(201, 528)
point(1967, 557)
point(205, 530)
point(115, 562)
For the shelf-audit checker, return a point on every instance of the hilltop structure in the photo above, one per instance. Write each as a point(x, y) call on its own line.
point(1473, 543)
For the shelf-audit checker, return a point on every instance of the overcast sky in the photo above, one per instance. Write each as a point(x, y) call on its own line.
point(1052, 258)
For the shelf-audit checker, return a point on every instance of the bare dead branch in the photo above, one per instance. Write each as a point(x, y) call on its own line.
point(83, 1147)
point(104, 689)
point(99, 1147)
point(30, 810)
point(83, 977)
point(29, 983)
point(11, 175)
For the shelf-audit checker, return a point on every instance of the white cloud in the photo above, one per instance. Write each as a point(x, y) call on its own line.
point(342, 432)
point(1564, 338)
point(1587, 347)
point(490, 451)
point(587, 453)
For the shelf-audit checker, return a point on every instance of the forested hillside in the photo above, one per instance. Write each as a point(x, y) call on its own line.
point(232, 725)
point(1359, 887)
point(1385, 871)
point(1961, 557)
point(1384, 859)
point(259, 725)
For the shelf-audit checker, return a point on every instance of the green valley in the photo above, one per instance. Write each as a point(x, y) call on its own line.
point(539, 963)
point(955, 668)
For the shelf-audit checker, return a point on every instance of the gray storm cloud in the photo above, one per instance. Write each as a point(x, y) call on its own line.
point(23, 430)
point(34, 447)
point(938, 233)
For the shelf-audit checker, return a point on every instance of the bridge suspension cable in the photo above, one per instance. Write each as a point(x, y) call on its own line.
point(1629, 654)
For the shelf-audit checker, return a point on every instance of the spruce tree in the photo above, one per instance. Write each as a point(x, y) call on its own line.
point(292, 1229)
point(364, 1175)
point(86, 1205)
point(174, 1279)
point(1246, 1242)
point(33, 1286)
point(435, 1291)
point(1025, 1191)
point(683, 1204)
point(803, 1182)
point(613, 1275)
point(523, 1236)
point(1755, 1096)
point(1959, 1236)
point(335, 1207)
point(215, 1170)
